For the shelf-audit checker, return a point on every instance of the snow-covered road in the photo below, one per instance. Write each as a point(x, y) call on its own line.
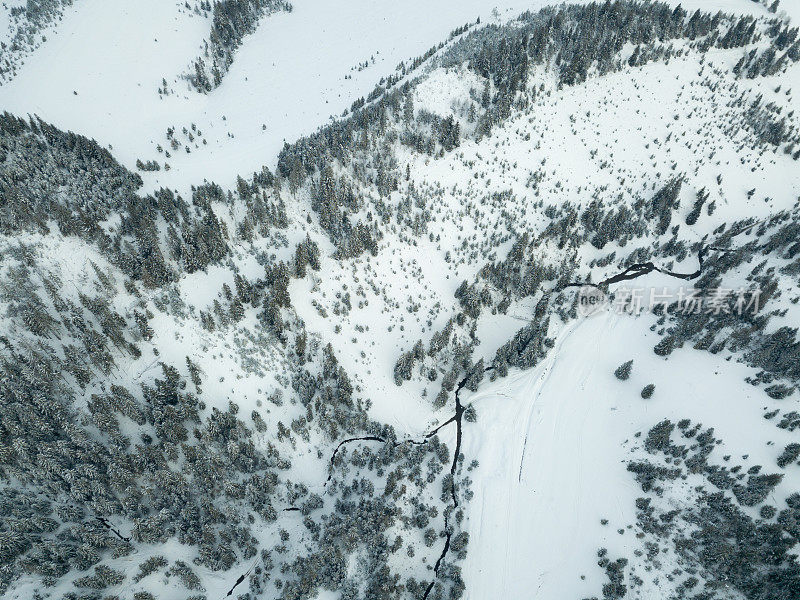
point(528, 499)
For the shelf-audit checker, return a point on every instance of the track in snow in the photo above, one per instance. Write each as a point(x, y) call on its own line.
point(552, 452)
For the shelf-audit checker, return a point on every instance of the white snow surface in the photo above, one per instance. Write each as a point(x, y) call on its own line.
point(551, 443)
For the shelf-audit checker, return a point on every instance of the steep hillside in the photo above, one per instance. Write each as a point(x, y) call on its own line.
point(366, 368)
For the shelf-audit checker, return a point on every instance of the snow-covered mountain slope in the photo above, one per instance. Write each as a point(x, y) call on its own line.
point(291, 75)
point(364, 370)
point(126, 86)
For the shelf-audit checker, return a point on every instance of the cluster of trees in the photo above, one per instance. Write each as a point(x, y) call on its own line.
point(195, 237)
point(270, 293)
point(769, 127)
point(576, 39)
point(616, 224)
point(528, 346)
point(784, 50)
point(745, 331)
point(700, 200)
point(333, 199)
point(615, 571)
point(449, 353)
point(26, 21)
point(150, 165)
point(232, 20)
point(49, 175)
point(663, 203)
point(376, 526)
point(713, 533)
point(170, 474)
point(404, 366)
point(328, 399)
point(138, 465)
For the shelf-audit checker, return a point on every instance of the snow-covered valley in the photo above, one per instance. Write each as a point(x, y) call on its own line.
point(291, 300)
